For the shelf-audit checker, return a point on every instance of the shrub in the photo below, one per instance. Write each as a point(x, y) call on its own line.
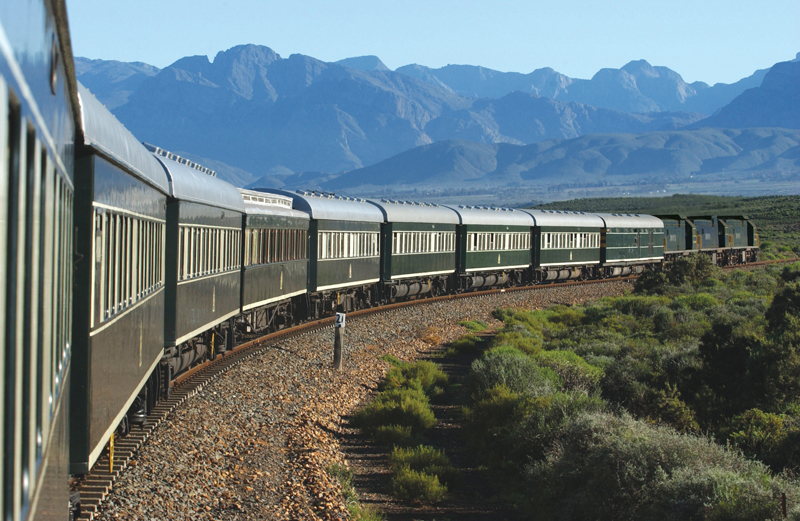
point(491, 419)
point(791, 272)
point(427, 374)
point(565, 316)
point(695, 301)
point(409, 485)
point(474, 325)
point(466, 344)
point(651, 282)
point(755, 431)
point(514, 370)
point(637, 305)
point(605, 467)
point(694, 269)
point(545, 418)
point(424, 459)
point(669, 408)
point(393, 435)
point(402, 407)
point(520, 338)
point(573, 370)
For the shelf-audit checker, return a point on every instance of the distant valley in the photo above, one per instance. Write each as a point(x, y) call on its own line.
point(356, 126)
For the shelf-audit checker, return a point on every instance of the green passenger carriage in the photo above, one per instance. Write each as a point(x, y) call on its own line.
point(344, 255)
point(118, 310)
point(493, 246)
point(418, 246)
point(203, 262)
point(629, 241)
point(566, 245)
point(275, 267)
point(38, 111)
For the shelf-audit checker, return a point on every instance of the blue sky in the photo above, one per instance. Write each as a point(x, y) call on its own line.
point(707, 40)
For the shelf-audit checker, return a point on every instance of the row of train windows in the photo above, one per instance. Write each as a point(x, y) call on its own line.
point(36, 244)
point(129, 252)
point(347, 245)
point(500, 241)
point(555, 241)
point(207, 251)
point(263, 246)
point(423, 242)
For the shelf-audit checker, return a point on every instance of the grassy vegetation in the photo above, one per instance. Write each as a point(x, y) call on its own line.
point(467, 344)
point(357, 512)
point(474, 325)
point(777, 217)
point(679, 401)
point(421, 474)
point(398, 417)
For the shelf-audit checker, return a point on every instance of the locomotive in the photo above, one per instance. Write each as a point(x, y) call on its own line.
point(124, 264)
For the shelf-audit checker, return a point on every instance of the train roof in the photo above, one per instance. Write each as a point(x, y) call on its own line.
point(105, 134)
point(733, 217)
point(630, 220)
point(564, 218)
point(329, 206)
point(415, 212)
point(491, 215)
point(191, 182)
point(260, 203)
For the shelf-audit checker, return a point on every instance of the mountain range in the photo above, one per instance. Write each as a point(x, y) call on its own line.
point(662, 157)
point(298, 121)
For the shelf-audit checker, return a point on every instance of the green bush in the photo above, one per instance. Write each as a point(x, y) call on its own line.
point(424, 459)
point(402, 407)
point(474, 325)
point(791, 272)
point(466, 345)
point(755, 432)
point(514, 370)
point(606, 467)
point(534, 434)
point(490, 420)
point(574, 372)
point(637, 305)
point(427, 374)
point(393, 435)
point(694, 269)
point(519, 338)
point(695, 301)
point(410, 486)
point(651, 282)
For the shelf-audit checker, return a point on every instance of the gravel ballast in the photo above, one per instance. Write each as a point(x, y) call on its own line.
point(254, 443)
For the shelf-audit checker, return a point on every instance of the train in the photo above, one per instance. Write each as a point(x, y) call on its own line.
point(124, 264)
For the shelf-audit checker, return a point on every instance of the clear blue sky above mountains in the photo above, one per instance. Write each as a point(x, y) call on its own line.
point(706, 40)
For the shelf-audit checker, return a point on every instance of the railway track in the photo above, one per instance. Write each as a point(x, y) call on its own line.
point(96, 485)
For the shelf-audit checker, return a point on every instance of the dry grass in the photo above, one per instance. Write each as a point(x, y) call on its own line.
point(430, 335)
